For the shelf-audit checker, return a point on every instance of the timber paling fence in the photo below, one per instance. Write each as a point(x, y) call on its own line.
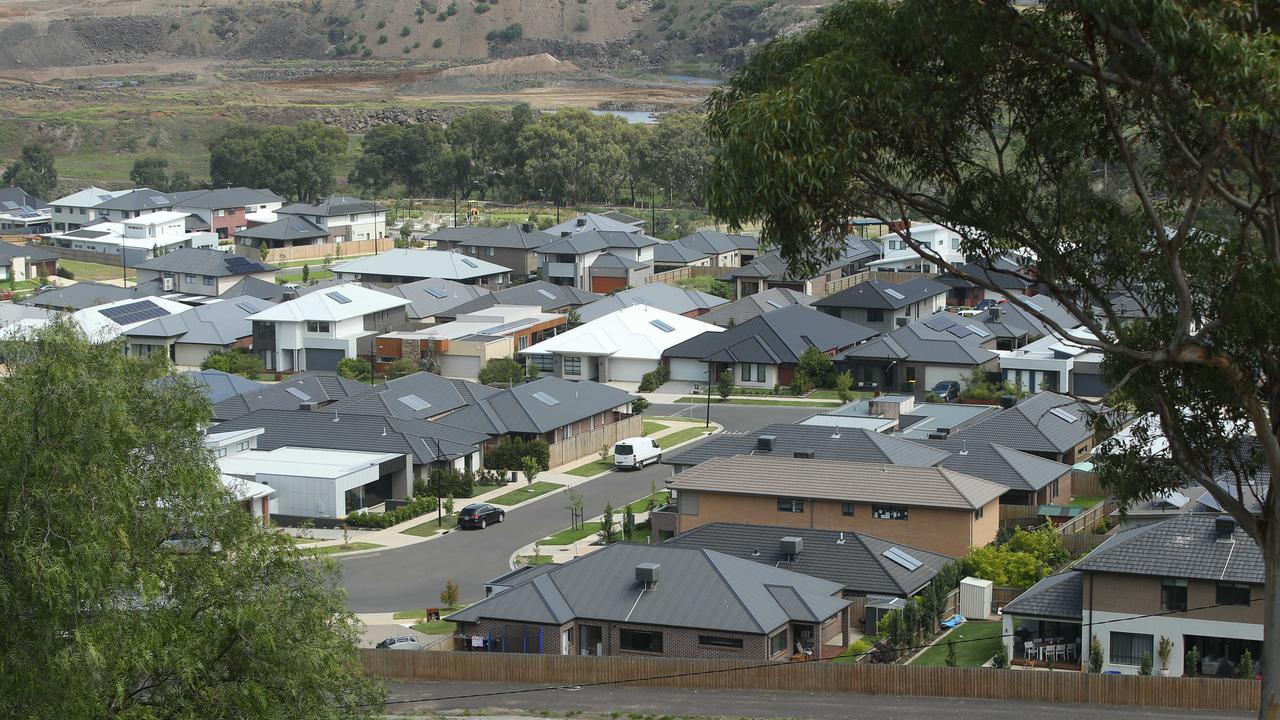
point(970, 683)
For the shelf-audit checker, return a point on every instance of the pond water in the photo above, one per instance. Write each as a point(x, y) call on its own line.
point(635, 117)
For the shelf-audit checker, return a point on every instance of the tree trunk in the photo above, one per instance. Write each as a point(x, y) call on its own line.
point(1269, 707)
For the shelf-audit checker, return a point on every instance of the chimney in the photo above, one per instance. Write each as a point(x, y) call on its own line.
point(647, 574)
point(806, 454)
point(902, 322)
point(1224, 528)
point(580, 222)
point(993, 314)
point(765, 442)
point(526, 227)
point(791, 547)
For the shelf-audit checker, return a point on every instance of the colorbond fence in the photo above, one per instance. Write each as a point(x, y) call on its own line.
point(589, 443)
point(691, 271)
point(972, 683)
point(338, 252)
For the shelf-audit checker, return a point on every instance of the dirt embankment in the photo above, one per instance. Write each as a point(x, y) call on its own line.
point(539, 64)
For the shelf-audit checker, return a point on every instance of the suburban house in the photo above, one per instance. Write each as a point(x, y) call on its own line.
point(670, 256)
point(885, 306)
point(621, 346)
point(721, 249)
point(17, 320)
point(1004, 272)
point(250, 286)
point(740, 311)
point(627, 599)
point(681, 301)
point(765, 350)
point(592, 222)
point(288, 232)
point(460, 348)
point(139, 238)
point(26, 262)
point(24, 213)
point(599, 260)
point(916, 357)
point(101, 323)
point(406, 265)
point(903, 416)
point(224, 209)
point(78, 296)
point(771, 271)
point(431, 298)
point(304, 391)
point(549, 409)
point(133, 204)
point(514, 246)
point(257, 499)
point(202, 271)
point(1197, 580)
point(898, 256)
point(933, 508)
point(218, 386)
point(1056, 365)
point(1031, 480)
point(188, 338)
point(420, 396)
point(864, 566)
point(316, 331)
point(345, 218)
point(76, 210)
point(1046, 424)
point(548, 296)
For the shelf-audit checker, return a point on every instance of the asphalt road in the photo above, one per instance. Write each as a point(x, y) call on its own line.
point(616, 701)
point(413, 576)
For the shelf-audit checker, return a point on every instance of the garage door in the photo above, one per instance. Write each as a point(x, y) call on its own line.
point(1089, 385)
point(460, 366)
point(323, 358)
point(686, 369)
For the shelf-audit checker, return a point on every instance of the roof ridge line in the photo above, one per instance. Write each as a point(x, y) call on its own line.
point(732, 591)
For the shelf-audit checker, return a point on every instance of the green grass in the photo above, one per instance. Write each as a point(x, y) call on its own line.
point(525, 493)
point(651, 427)
point(477, 490)
point(298, 540)
point(595, 467)
point(799, 402)
point(330, 549)
point(835, 395)
point(296, 275)
point(569, 536)
point(416, 613)
point(429, 528)
point(531, 560)
point(1084, 502)
point(680, 436)
point(855, 651)
point(93, 271)
point(640, 536)
point(438, 627)
point(659, 499)
point(981, 640)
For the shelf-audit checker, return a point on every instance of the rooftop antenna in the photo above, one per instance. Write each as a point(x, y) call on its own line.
point(964, 446)
point(335, 416)
point(840, 541)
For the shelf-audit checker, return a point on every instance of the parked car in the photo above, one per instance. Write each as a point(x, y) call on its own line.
point(948, 390)
point(479, 515)
point(46, 288)
point(985, 303)
point(400, 642)
point(636, 452)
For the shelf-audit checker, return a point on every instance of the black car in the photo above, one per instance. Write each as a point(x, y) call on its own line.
point(479, 515)
point(948, 390)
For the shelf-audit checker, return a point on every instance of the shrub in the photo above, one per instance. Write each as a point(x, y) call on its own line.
point(381, 24)
point(237, 361)
point(382, 39)
point(1244, 669)
point(501, 372)
point(442, 16)
point(1144, 668)
point(978, 388)
point(480, 8)
point(437, 43)
point(508, 34)
point(401, 368)
point(404, 31)
point(1001, 659)
point(355, 369)
point(639, 406)
point(414, 508)
point(1191, 662)
point(581, 25)
point(651, 381)
point(510, 454)
point(724, 386)
point(366, 53)
point(1095, 655)
point(452, 9)
point(65, 273)
point(815, 369)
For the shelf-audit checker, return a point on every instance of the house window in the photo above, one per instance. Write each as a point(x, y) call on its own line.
point(791, 505)
point(544, 363)
point(875, 315)
point(387, 359)
point(977, 514)
point(778, 643)
point(355, 217)
point(222, 452)
point(640, 641)
point(317, 326)
point(572, 365)
point(241, 447)
point(489, 252)
point(889, 512)
point(219, 213)
point(746, 372)
point(846, 509)
point(189, 278)
point(1233, 594)
point(1173, 594)
point(524, 341)
point(206, 279)
point(721, 642)
point(1128, 648)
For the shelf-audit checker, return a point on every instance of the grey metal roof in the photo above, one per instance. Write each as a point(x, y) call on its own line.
point(714, 242)
point(779, 337)
point(670, 252)
point(407, 262)
point(839, 480)
point(875, 294)
point(622, 218)
point(699, 589)
point(918, 342)
point(589, 222)
point(218, 386)
point(138, 199)
point(329, 207)
point(1183, 546)
point(593, 240)
point(216, 323)
point(742, 310)
point(1057, 597)
point(673, 299)
point(317, 387)
point(511, 236)
point(224, 198)
point(541, 293)
point(9, 251)
point(81, 295)
point(854, 560)
point(433, 296)
point(1003, 272)
point(250, 286)
point(524, 408)
point(284, 230)
point(203, 261)
point(771, 265)
point(999, 464)
point(611, 261)
point(926, 418)
point(826, 443)
point(21, 198)
point(1032, 426)
point(420, 395)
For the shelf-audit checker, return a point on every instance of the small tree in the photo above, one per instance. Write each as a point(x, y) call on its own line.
point(608, 530)
point(575, 506)
point(328, 260)
point(406, 232)
point(1163, 649)
point(531, 469)
point(724, 388)
point(951, 653)
point(815, 368)
point(355, 369)
point(501, 372)
point(1244, 669)
point(651, 502)
point(628, 524)
point(449, 595)
point(401, 368)
point(1095, 655)
point(448, 505)
point(1001, 659)
point(263, 250)
point(844, 386)
point(1144, 666)
point(306, 272)
point(1191, 662)
point(639, 406)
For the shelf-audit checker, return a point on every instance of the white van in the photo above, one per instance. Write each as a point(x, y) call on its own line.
point(636, 452)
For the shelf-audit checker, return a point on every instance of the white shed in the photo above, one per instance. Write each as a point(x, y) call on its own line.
point(975, 598)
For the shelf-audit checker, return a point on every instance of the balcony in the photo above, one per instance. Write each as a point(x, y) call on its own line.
point(557, 269)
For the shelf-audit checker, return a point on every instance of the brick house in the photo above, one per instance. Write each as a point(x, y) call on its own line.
point(224, 209)
point(462, 348)
point(627, 599)
point(549, 408)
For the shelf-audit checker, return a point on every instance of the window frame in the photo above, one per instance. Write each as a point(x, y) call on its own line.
point(1235, 588)
point(720, 641)
point(1171, 585)
point(1135, 642)
point(875, 315)
point(781, 635)
point(847, 509)
point(320, 327)
point(572, 360)
point(625, 634)
point(791, 505)
point(885, 511)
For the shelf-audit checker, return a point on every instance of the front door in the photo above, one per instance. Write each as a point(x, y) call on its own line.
point(566, 641)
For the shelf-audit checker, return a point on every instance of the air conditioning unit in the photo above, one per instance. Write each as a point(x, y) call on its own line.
point(168, 284)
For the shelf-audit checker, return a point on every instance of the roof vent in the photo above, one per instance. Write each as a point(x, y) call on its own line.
point(526, 227)
point(765, 442)
point(791, 547)
point(1224, 528)
point(310, 406)
point(806, 454)
point(937, 436)
point(1007, 401)
point(565, 233)
point(993, 314)
point(581, 222)
point(647, 574)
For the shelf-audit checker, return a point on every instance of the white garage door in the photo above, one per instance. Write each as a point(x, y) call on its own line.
point(687, 369)
point(629, 370)
point(460, 366)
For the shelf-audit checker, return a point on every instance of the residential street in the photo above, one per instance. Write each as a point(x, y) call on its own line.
point(617, 700)
point(412, 577)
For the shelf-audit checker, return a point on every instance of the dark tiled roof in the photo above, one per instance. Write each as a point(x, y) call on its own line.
point(139, 199)
point(827, 443)
point(771, 265)
point(250, 286)
point(740, 311)
point(224, 198)
point(779, 337)
point(218, 386)
point(1184, 546)
point(316, 387)
point(511, 236)
point(285, 229)
point(855, 560)
point(433, 296)
point(592, 240)
point(1058, 597)
point(920, 343)
point(80, 296)
point(1033, 425)
point(216, 323)
point(656, 295)
point(329, 207)
point(524, 408)
point(21, 199)
point(714, 242)
point(201, 261)
point(9, 251)
point(876, 294)
point(999, 464)
point(420, 395)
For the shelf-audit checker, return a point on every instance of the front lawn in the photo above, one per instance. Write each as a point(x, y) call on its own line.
point(660, 498)
point(799, 402)
point(595, 467)
point(1085, 502)
point(979, 646)
point(680, 436)
point(429, 528)
point(94, 271)
point(330, 549)
point(292, 275)
point(435, 627)
point(651, 427)
point(568, 536)
point(527, 492)
point(531, 560)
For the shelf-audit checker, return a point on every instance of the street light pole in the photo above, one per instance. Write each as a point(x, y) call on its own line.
point(711, 371)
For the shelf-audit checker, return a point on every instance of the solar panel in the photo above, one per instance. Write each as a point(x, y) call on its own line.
point(339, 297)
point(546, 399)
point(960, 331)
point(247, 307)
point(299, 228)
point(469, 264)
point(1064, 415)
point(977, 330)
point(134, 312)
point(10, 204)
point(437, 293)
point(545, 294)
point(298, 394)
point(894, 293)
point(661, 326)
point(237, 264)
point(902, 558)
point(938, 323)
point(1033, 306)
point(414, 402)
point(774, 303)
point(159, 199)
